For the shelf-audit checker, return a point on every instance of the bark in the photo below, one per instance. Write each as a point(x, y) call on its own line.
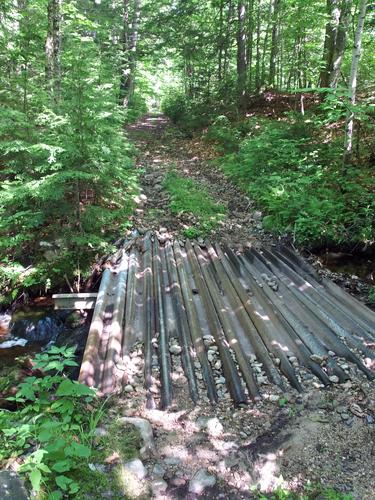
point(340, 45)
point(349, 125)
point(333, 12)
point(274, 42)
point(129, 59)
point(241, 56)
point(257, 64)
point(53, 48)
point(250, 42)
point(335, 41)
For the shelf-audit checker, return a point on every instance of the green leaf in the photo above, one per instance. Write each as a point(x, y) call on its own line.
point(63, 482)
point(35, 479)
point(62, 466)
point(78, 450)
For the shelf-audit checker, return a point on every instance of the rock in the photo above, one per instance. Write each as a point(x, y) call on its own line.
point(293, 359)
point(334, 379)
point(163, 230)
point(136, 467)
point(214, 427)
point(274, 398)
point(132, 479)
point(175, 349)
point(101, 432)
point(129, 388)
point(200, 481)
point(158, 470)
point(11, 486)
point(331, 353)
point(345, 416)
point(145, 431)
point(158, 486)
point(172, 460)
point(217, 365)
point(317, 359)
point(220, 381)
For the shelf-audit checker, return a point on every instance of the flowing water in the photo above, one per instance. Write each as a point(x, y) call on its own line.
point(27, 331)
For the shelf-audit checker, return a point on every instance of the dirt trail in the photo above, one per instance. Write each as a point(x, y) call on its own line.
point(162, 148)
point(287, 439)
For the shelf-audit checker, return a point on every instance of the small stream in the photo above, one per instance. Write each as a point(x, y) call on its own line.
point(362, 267)
point(27, 331)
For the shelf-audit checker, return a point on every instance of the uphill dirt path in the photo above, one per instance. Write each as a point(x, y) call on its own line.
point(162, 148)
point(284, 440)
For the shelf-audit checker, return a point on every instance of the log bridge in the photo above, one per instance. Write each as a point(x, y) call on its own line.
point(263, 304)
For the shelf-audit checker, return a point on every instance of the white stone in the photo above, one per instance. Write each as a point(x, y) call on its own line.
point(200, 481)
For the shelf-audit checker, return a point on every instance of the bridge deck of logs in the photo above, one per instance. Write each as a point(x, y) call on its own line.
point(265, 304)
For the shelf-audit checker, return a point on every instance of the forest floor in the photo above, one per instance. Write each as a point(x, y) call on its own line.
point(323, 436)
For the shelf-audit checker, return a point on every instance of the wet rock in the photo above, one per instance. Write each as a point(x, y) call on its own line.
point(38, 328)
point(201, 480)
point(11, 486)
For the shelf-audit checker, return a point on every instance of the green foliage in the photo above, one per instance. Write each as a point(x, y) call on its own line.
point(53, 428)
point(293, 176)
point(187, 197)
point(188, 113)
point(371, 295)
point(65, 166)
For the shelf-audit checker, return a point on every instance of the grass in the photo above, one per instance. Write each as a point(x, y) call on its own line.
point(187, 197)
point(122, 439)
point(311, 491)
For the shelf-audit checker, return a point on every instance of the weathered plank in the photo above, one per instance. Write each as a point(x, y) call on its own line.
point(74, 300)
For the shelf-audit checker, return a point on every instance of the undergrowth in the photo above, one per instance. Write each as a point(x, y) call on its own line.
point(187, 197)
point(296, 177)
point(52, 433)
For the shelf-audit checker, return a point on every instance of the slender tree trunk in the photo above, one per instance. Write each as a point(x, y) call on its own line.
point(130, 42)
point(349, 125)
point(333, 11)
point(220, 41)
point(339, 49)
point(265, 44)
point(241, 56)
point(274, 42)
point(53, 48)
point(250, 42)
point(257, 64)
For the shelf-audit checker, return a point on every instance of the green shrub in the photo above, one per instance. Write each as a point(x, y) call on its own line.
point(302, 191)
point(52, 428)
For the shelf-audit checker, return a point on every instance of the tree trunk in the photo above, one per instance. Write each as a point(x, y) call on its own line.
point(353, 84)
point(274, 42)
point(257, 64)
point(241, 56)
point(333, 11)
point(250, 42)
point(53, 48)
point(130, 42)
point(339, 49)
